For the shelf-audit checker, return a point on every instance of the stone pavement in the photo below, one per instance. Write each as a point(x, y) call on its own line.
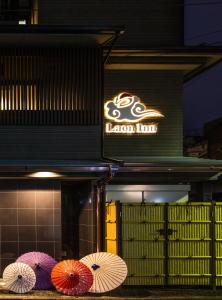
point(123, 294)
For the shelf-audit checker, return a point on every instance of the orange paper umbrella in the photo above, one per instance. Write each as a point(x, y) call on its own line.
point(71, 277)
point(109, 271)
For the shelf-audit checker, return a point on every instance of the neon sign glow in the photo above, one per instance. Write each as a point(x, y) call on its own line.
point(129, 110)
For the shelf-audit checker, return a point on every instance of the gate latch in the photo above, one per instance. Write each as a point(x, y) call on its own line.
point(168, 232)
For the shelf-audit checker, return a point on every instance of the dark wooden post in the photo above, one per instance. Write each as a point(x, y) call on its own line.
point(166, 255)
point(213, 248)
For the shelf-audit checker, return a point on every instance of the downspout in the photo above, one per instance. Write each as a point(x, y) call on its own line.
point(99, 190)
point(103, 157)
point(101, 183)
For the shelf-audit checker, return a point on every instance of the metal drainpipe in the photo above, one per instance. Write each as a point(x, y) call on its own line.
point(107, 159)
point(100, 208)
point(101, 183)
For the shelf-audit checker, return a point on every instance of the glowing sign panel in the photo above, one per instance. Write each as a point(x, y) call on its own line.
point(129, 110)
point(129, 129)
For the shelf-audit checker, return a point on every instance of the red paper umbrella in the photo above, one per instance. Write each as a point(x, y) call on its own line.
point(72, 277)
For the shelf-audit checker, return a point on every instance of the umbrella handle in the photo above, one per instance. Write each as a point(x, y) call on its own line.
point(37, 265)
point(74, 275)
point(95, 267)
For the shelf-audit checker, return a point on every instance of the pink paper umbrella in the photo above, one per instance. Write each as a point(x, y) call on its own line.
point(42, 264)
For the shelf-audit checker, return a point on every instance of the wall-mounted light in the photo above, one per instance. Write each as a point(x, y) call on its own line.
point(22, 22)
point(44, 175)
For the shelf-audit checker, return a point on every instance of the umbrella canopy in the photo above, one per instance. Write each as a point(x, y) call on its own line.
point(19, 278)
point(42, 264)
point(72, 277)
point(109, 271)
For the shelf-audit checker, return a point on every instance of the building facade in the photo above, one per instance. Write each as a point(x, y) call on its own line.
point(91, 97)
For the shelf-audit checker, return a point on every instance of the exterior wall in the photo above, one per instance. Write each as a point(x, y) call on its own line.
point(147, 22)
point(52, 142)
point(30, 219)
point(160, 90)
point(51, 101)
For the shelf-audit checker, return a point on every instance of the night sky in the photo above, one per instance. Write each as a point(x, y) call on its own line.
point(203, 95)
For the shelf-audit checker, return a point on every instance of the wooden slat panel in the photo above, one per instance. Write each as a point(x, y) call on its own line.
point(50, 86)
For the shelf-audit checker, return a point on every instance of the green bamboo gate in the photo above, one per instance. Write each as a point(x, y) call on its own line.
point(167, 244)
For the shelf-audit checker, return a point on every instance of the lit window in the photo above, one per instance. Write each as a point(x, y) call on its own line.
point(20, 12)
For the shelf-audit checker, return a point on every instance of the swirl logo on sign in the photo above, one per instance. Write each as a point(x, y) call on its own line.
point(128, 108)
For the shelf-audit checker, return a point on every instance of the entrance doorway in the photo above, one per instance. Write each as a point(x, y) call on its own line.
point(78, 219)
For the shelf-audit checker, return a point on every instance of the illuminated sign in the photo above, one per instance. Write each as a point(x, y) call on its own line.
point(130, 111)
point(129, 129)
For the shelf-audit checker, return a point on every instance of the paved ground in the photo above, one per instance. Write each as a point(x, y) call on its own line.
point(123, 293)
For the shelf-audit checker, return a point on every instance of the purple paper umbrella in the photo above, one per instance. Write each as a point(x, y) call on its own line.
point(42, 264)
